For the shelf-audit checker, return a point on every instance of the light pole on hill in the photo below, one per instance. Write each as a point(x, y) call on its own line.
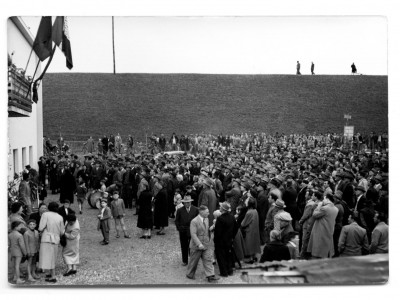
point(113, 43)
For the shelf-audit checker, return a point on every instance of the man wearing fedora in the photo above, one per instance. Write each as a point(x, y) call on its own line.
point(184, 216)
point(224, 234)
point(360, 199)
point(201, 246)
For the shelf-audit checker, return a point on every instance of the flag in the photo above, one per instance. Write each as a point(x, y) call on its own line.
point(42, 44)
point(60, 37)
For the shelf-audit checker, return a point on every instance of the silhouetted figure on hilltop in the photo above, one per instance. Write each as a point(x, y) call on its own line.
point(353, 69)
point(312, 68)
point(298, 68)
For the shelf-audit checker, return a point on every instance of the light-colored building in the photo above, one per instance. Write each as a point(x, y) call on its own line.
point(25, 118)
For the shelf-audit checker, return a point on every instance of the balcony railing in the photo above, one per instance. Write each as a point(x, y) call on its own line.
point(19, 103)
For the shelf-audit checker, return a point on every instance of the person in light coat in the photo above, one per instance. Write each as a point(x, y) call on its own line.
point(70, 252)
point(321, 238)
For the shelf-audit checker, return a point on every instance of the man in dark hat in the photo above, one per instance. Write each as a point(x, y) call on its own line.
point(208, 198)
point(224, 234)
point(347, 189)
point(184, 216)
point(360, 199)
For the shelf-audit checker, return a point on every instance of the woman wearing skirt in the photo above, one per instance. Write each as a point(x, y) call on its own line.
point(70, 252)
point(52, 227)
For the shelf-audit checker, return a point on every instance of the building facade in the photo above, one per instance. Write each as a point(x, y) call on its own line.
point(25, 117)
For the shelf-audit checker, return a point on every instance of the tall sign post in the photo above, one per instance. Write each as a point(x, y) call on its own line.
point(348, 130)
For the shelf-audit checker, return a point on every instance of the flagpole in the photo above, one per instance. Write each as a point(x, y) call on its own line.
point(113, 43)
point(29, 60)
point(48, 63)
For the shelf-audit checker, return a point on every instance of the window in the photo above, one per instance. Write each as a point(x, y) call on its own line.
point(31, 155)
point(15, 161)
point(24, 157)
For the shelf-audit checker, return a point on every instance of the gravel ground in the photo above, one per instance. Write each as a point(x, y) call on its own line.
point(126, 261)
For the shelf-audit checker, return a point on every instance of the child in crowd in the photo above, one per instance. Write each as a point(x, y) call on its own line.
point(31, 238)
point(103, 187)
point(118, 213)
point(104, 221)
point(17, 248)
point(81, 195)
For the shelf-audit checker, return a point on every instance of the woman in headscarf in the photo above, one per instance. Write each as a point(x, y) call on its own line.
point(52, 227)
point(71, 250)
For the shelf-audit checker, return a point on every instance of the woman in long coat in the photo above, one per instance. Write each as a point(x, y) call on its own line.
point(70, 252)
point(53, 174)
point(161, 209)
point(321, 238)
point(251, 229)
point(52, 227)
point(145, 215)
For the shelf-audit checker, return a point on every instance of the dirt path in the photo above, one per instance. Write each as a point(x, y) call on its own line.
point(127, 261)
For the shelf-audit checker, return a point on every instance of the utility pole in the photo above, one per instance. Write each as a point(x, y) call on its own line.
point(113, 43)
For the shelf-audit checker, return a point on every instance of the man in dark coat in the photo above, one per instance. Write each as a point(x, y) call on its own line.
point(161, 209)
point(347, 189)
point(289, 196)
point(262, 209)
point(275, 249)
point(98, 173)
point(184, 216)
point(67, 186)
point(224, 234)
point(128, 179)
point(64, 211)
point(233, 196)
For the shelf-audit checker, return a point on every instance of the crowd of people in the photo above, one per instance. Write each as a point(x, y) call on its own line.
point(235, 199)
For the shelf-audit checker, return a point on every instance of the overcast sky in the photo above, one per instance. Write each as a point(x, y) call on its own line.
point(225, 45)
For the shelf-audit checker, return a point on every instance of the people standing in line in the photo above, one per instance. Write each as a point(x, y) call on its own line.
point(201, 246)
point(298, 68)
point(312, 68)
point(70, 252)
point(184, 216)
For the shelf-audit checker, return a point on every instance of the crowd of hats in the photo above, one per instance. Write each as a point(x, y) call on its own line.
point(269, 162)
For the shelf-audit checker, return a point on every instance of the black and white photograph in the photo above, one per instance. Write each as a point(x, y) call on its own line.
point(197, 150)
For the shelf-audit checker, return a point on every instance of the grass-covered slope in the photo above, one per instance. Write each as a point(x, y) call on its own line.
point(96, 104)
